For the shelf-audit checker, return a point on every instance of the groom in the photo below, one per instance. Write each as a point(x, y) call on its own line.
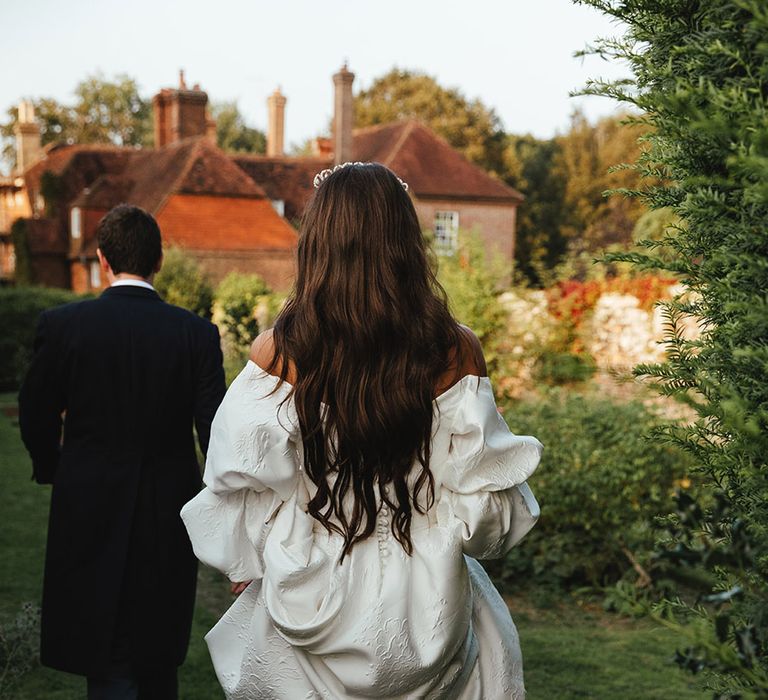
point(106, 412)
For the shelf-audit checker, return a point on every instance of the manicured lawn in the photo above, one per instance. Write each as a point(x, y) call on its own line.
point(569, 652)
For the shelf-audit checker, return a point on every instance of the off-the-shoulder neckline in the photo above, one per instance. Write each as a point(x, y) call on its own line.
point(437, 398)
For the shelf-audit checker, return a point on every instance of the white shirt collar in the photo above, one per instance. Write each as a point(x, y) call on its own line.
point(132, 283)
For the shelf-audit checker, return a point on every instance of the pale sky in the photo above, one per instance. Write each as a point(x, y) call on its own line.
point(515, 55)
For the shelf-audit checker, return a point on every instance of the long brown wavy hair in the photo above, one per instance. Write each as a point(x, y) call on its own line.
point(369, 334)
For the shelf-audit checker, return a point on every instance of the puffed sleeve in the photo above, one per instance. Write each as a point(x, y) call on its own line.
point(250, 471)
point(484, 485)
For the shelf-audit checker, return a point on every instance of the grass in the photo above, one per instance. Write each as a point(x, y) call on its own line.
point(569, 652)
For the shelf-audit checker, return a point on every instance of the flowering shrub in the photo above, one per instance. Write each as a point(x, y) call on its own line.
point(572, 299)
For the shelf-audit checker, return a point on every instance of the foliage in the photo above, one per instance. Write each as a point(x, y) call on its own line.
point(56, 125)
point(590, 157)
point(653, 227)
point(469, 126)
point(182, 282)
point(237, 298)
point(23, 270)
point(572, 299)
point(556, 367)
point(19, 310)
point(541, 218)
point(600, 486)
point(104, 111)
point(701, 72)
point(472, 284)
point(233, 134)
point(111, 112)
point(51, 191)
point(564, 179)
point(563, 357)
point(19, 642)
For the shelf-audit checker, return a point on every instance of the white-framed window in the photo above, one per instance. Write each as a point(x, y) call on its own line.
point(279, 206)
point(446, 232)
point(39, 204)
point(95, 275)
point(75, 223)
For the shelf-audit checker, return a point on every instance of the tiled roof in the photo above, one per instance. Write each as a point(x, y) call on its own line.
point(203, 198)
point(429, 164)
point(105, 191)
point(78, 167)
point(147, 178)
point(289, 179)
point(210, 222)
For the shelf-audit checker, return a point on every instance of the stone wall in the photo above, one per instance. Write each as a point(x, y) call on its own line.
point(618, 333)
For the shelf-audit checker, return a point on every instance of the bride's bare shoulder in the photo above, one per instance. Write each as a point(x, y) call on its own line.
point(467, 359)
point(472, 357)
point(263, 350)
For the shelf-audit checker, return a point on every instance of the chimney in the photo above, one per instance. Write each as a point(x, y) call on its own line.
point(28, 144)
point(210, 128)
point(276, 126)
point(180, 113)
point(342, 115)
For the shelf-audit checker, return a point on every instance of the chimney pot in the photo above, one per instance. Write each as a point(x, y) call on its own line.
point(343, 115)
point(29, 147)
point(276, 124)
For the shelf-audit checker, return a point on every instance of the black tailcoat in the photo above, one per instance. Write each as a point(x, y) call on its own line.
point(131, 374)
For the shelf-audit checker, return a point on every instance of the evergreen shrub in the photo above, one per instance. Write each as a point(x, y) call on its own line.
point(20, 308)
point(700, 75)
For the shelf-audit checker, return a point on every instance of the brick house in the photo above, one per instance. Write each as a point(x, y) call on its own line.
point(230, 211)
point(448, 191)
point(202, 201)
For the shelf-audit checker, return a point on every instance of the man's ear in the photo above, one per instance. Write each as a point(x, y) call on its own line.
point(103, 262)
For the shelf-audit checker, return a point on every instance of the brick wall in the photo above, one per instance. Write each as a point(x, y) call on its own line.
point(495, 223)
point(276, 267)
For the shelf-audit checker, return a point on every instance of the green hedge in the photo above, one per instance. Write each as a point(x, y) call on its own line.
point(600, 485)
point(19, 310)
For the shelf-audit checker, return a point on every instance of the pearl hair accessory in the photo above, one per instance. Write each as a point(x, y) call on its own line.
point(323, 174)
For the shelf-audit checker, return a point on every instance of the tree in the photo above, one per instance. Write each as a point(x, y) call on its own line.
point(469, 126)
point(586, 160)
point(540, 243)
point(57, 124)
point(104, 112)
point(700, 77)
point(232, 133)
point(111, 112)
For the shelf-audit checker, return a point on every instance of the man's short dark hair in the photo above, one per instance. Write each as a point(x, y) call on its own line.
point(129, 238)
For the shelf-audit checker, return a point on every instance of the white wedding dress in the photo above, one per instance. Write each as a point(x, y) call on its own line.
point(382, 624)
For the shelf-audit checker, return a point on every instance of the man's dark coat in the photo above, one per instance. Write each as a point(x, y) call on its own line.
point(131, 374)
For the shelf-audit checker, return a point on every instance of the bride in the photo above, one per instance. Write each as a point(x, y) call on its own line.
point(357, 467)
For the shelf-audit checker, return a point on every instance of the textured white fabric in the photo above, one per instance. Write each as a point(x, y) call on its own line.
point(382, 624)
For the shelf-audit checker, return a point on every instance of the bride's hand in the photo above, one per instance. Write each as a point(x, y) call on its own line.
point(237, 588)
